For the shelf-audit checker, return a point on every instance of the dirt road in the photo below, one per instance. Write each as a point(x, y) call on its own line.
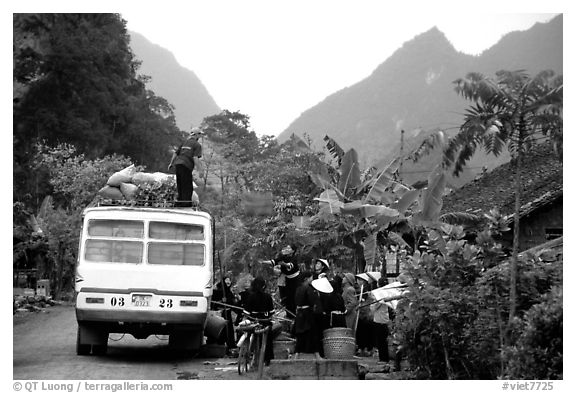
point(45, 348)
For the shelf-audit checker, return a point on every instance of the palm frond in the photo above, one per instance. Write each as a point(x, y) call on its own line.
point(476, 87)
point(435, 140)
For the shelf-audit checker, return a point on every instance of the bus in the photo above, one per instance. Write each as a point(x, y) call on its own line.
point(143, 271)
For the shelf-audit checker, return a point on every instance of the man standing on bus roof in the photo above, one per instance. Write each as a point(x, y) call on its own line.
point(185, 158)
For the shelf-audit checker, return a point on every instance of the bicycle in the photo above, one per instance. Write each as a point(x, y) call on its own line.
point(252, 346)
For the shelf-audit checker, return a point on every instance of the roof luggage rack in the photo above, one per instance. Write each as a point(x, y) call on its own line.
point(153, 203)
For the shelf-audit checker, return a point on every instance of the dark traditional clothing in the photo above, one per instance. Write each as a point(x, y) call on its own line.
point(335, 310)
point(259, 305)
point(308, 323)
point(350, 299)
point(219, 294)
point(365, 330)
point(223, 294)
point(184, 164)
point(241, 303)
point(290, 269)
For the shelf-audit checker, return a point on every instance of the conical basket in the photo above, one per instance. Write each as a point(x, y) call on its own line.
point(338, 332)
point(339, 347)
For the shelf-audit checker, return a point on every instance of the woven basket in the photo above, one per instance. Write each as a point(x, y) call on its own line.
point(338, 332)
point(339, 347)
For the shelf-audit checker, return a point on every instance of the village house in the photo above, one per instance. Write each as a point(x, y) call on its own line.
point(541, 198)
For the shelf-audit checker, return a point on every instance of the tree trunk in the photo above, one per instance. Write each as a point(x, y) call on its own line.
point(516, 241)
point(59, 270)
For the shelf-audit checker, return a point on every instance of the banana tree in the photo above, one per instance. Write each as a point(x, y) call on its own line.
point(376, 200)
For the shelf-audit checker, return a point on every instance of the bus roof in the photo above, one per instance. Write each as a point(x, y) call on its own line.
point(173, 210)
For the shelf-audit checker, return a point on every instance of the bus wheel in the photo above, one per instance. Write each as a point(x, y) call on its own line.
point(81, 349)
point(188, 343)
point(100, 349)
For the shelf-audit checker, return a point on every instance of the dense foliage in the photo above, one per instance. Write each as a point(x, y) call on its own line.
point(452, 322)
point(75, 181)
point(537, 353)
point(75, 81)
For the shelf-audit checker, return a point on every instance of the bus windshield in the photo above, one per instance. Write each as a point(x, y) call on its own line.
point(122, 241)
point(175, 231)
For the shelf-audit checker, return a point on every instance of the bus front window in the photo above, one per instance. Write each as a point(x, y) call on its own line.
point(179, 254)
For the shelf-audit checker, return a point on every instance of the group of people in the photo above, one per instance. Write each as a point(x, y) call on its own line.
point(252, 299)
point(317, 304)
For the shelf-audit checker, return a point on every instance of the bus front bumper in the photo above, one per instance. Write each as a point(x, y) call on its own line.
point(137, 316)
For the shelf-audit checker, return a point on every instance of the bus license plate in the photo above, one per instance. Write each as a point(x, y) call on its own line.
point(141, 300)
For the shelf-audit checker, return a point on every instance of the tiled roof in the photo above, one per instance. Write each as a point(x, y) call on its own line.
point(541, 184)
point(550, 251)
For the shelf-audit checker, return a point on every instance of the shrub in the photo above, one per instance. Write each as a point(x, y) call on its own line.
point(538, 350)
point(452, 323)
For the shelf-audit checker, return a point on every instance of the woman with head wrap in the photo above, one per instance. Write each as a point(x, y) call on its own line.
point(350, 299)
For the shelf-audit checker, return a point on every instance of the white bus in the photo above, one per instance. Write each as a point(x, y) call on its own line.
point(143, 271)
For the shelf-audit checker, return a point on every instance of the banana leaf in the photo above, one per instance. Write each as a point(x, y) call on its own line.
point(320, 181)
point(381, 181)
point(349, 172)
point(357, 208)
point(431, 201)
point(329, 202)
point(334, 149)
point(406, 201)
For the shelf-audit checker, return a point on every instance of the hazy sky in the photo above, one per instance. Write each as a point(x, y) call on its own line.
point(274, 59)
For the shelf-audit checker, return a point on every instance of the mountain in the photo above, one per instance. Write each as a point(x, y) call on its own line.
point(413, 91)
point(180, 86)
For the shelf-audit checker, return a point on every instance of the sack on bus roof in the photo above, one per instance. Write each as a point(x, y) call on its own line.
point(110, 192)
point(123, 176)
point(143, 177)
point(163, 177)
point(128, 190)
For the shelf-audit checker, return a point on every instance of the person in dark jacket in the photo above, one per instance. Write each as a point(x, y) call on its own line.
point(259, 305)
point(365, 328)
point(185, 158)
point(334, 306)
point(223, 294)
point(303, 321)
point(289, 276)
point(243, 295)
point(321, 288)
point(309, 314)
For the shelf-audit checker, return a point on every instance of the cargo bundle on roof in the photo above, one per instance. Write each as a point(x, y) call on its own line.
point(132, 188)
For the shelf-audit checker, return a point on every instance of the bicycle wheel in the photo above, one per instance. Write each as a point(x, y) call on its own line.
point(243, 361)
point(253, 352)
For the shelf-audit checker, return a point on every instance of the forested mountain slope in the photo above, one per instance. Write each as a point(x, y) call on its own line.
point(413, 90)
